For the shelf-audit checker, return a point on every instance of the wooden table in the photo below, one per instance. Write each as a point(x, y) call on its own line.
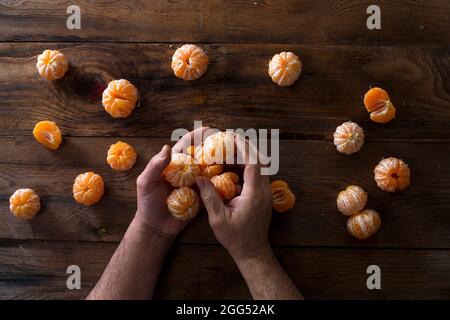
point(409, 57)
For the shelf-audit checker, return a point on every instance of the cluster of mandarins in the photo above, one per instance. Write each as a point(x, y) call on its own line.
point(119, 99)
point(391, 174)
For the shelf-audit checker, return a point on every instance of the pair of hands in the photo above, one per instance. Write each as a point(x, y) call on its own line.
point(241, 225)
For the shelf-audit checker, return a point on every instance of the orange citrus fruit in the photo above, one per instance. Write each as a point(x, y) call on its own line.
point(392, 174)
point(121, 156)
point(285, 68)
point(364, 224)
point(119, 98)
point(207, 170)
point(183, 203)
point(218, 148)
point(351, 200)
point(348, 137)
point(24, 204)
point(52, 65)
point(182, 170)
point(378, 103)
point(48, 134)
point(189, 62)
point(283, 198)
point(88, 188)
point(226, 185)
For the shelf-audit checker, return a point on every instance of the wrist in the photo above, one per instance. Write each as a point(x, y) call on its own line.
point(143, 227)
point(258, 255)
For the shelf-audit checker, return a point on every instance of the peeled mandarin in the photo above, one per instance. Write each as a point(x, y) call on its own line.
point(379, 105)
point(285, 68)
point(218, 148)
point(119, 98)
point(226, 185)
point(392, 174)
point(189, 62)
point(364, 224)
point(121, 156)
point(183, 203)
point(24, 204)
point(348, 137)
point(283, 198)
point(48, 134)
point(88, 188)
point(182, 170)
point(207, 170)
point(52, 65)
point(351, 200)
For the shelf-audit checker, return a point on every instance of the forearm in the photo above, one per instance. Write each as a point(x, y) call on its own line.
point(266, 279)
point(133, 270)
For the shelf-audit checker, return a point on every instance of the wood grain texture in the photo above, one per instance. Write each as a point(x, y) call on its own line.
point(270, 21)
point(316, 172)
point(235, 92)
point(37, 270)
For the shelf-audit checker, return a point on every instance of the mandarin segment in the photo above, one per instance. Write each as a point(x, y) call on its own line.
point(48, 134)
point(189, 62)
point(226, 185)
point(364, 224)
point(88, 188)
point(348, 137)
point(121, 156)
point(207, 170)
point(379, 105)
point(119, 98)
point(392, 174)
point(24, 204)
point(52, 65)
point(183, 203)
point(182, 170)
point(351, 200)
point(283, 198)
point(285, 68)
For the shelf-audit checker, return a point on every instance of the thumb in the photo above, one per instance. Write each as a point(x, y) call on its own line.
point(211, 199)
point(153, 170)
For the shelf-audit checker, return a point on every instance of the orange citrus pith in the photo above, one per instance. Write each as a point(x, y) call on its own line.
point(189, 62)
point(379, 105)
point(119, 98)
point(24, 204)
point(183, 203)
point(226, 185)
point(181, 171)
point(285, 68)
point(392, 174)
point(348, 137)
point(88, 188)
point(48, 134)
point(121, 156)
point(52, 65)
point(351, 200)
point(364, 224)
point(283, 198)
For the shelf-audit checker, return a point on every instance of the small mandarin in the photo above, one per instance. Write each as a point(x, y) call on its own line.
point(183, 203)
point(351, 200)
point(392, 174)
point(364, 224)
point(88, 188)
point(226, 185)
point(218, 148)
point(182, 170)
point(52, 65)
point(283, 198)
point(48, 134)
point(121, 156)
point(189, 62)
point(24, 204)
point(348, 137)
point(379, 105)
point(285, 68)
point(119, 98)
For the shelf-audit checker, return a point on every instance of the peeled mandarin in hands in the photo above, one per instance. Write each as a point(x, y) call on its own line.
point(48, 134)
point(392, 174)
point(226, 185)
point(283, 198)
point(364, 224)
point(351, 200)
point(119, 98)
point(218, 148)
point(183, 203)
point(24, 204)
point(285, 68)
point(181, 171)
point(207, 170)
point(348, 137)
point(379, 105)
point(52, 65)
point(121, 156)
point(88, 188)
point(189, 62)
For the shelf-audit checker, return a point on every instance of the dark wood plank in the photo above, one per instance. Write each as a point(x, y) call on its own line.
point(283, 21)
point(316, 172)
point(37, 270)
point(235, 92)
